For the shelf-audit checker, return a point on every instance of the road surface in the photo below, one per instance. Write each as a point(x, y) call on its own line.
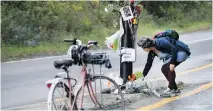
point(23, 82)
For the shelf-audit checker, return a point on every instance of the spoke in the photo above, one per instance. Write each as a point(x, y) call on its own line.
point(55, 105)
point(66, 102)
point(63, 95)
point(59, 97)
point(53, 101)
point(63, 98)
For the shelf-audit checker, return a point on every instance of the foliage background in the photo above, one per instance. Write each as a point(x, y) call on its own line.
point(30, 28)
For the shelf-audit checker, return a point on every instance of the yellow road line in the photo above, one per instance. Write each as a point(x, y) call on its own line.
point(167, 100)
point(195, 69)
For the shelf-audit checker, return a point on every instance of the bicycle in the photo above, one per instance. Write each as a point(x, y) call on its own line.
point(73, 97)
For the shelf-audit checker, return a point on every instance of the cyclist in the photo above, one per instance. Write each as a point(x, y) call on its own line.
point(171, 54)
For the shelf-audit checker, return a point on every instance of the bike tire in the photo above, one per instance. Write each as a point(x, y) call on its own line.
point(63, 101)
point(109, 100)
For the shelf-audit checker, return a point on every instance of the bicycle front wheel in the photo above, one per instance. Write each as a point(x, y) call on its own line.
point(101, 93)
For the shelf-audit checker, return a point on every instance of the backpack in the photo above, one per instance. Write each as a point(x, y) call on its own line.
point(173, 37)
point(183, 46)
point(168, 33)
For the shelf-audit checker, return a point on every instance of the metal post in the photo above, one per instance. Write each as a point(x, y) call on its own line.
point(126, 41)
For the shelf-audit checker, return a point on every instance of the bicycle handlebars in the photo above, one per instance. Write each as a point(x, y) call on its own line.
point(79, 42)
point(80, 49)
point(74, 41)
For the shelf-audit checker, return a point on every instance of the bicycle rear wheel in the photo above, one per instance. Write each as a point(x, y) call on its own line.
point(59, 97)
point(95, 99)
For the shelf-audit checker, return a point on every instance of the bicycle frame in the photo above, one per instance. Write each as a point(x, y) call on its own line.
point(84, 75)
point(86, 80)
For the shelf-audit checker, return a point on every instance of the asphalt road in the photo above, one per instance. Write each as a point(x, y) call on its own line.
point(23, 82)
point(196, 95)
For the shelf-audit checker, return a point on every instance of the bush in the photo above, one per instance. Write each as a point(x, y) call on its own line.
point(38, 23)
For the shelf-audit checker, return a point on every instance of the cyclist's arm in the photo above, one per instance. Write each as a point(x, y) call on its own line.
point(165, 43)
point(150, 58)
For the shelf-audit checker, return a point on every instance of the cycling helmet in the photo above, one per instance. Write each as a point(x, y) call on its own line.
point(75, 55)
point(145, 42)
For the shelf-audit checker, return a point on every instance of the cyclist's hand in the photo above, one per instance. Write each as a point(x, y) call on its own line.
point(172, 67)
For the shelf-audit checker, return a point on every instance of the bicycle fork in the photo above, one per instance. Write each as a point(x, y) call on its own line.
point(92, 94)
point(87, 81)
point(83, 85)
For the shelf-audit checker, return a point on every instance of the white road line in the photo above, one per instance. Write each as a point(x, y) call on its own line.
point(195, 41)
point(191, 42)
point(50, 57)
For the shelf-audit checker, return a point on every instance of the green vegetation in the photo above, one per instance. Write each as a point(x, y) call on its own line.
point(30, 28)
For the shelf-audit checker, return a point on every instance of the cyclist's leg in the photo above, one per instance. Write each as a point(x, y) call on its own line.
point(164, 70)
point(171, 78)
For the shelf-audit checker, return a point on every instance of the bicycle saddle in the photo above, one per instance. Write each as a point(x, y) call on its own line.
point(59, 64)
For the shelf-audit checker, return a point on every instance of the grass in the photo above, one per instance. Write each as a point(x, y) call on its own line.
point(20, 52)
point(14, 52)
point(150, 30)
